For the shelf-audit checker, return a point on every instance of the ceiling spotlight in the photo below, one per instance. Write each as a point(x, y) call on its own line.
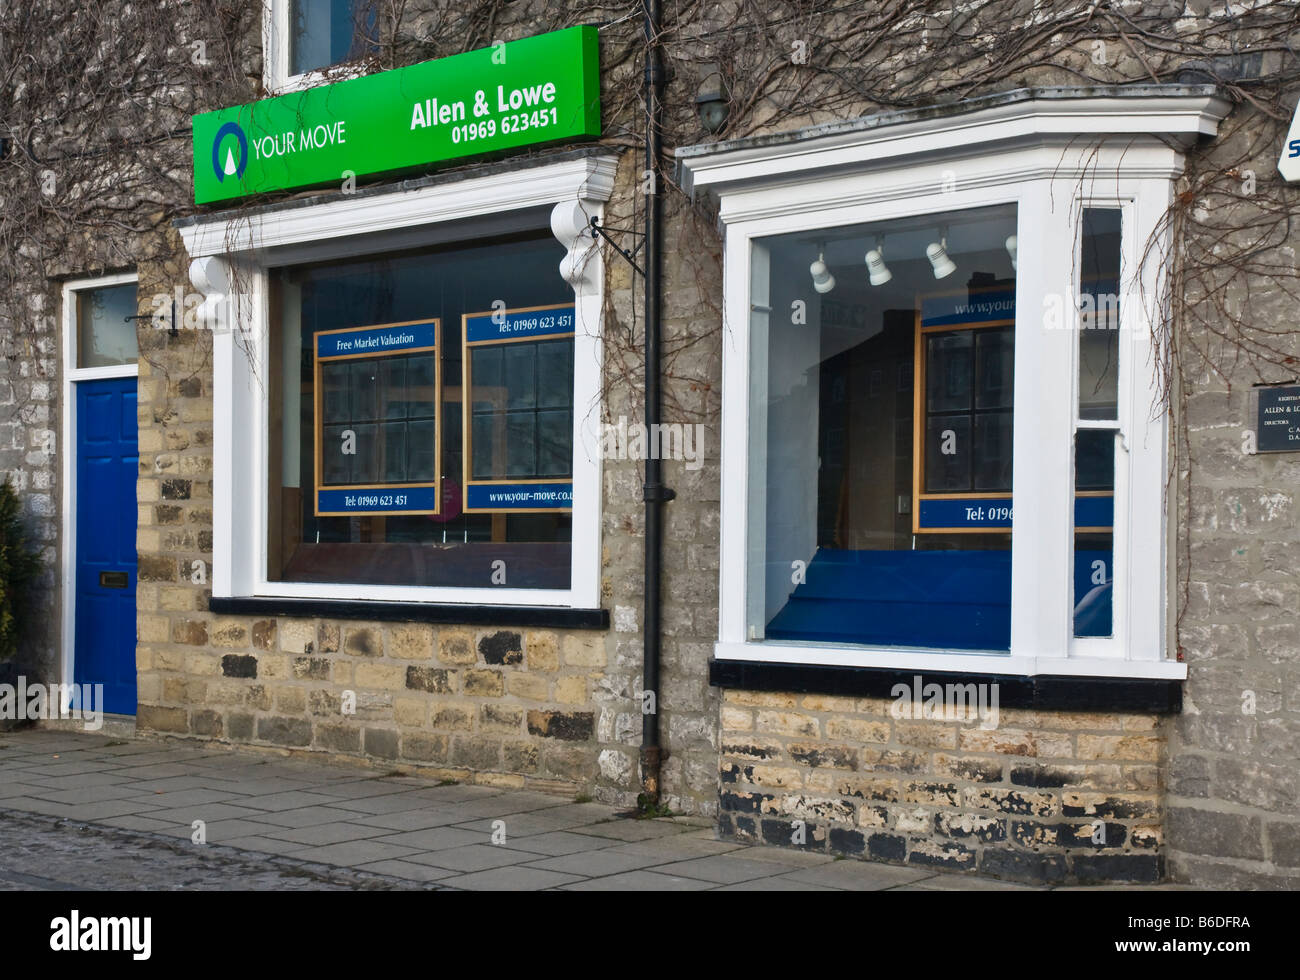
point(823, 281)
point(1011, 250)
point(877, 271)
point(937, 253)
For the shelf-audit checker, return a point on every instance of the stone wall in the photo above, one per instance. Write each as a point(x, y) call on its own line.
point(500, 707)
point(1039, 796)
point(1234, 773)
point(29, 457)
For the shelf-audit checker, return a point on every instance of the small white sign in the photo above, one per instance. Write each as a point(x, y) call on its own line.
point(1288, 165)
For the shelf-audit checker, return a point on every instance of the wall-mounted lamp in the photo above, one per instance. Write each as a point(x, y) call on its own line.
point(1012, 245)
point(877, 272)
point(823, 281)
point(937, 253)
point(711, 100)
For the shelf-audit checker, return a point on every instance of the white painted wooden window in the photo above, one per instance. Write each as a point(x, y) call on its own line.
point(1050, 158)
point(234, 255)
point(302, 40)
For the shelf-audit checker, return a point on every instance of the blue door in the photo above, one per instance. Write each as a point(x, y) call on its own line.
point(107, 465)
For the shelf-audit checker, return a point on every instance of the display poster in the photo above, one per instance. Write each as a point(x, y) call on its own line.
point(518, 435)
point(963, 418)
point(377, 426)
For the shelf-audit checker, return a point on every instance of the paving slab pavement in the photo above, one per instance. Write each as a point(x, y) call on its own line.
point(340, 826)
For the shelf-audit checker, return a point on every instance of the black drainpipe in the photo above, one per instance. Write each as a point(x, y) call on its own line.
point(654, 493)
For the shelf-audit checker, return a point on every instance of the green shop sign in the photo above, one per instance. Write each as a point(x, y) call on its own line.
point(521, 93)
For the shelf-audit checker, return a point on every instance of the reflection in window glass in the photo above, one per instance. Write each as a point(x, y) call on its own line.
point(533, 437)
point(881, 420)
point(1099, 314)
point(328, 32)
point(1094, 541)
point(350, 402)
point(388, 404)
point(1094, 447)
point(105, 335)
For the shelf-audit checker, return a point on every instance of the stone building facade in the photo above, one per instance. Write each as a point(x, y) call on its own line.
point(1136, 775)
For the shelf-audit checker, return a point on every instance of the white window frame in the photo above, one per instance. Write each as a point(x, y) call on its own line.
point(234, 253)
point(71, 375)
point(1048, 156)
point(275, 55)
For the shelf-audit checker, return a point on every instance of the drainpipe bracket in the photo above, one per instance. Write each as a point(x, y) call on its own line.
point(657, 492)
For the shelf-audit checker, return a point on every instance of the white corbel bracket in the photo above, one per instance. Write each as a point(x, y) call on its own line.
point(571, 226)
point(211, 277)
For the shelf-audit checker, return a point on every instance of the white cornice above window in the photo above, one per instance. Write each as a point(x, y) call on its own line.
point(1172, 116)
point(395, 207)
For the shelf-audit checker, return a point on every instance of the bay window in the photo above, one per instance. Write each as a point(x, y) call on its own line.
point(944, 446)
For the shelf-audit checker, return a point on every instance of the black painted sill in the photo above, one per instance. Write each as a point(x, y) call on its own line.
point(1043, 692)
point(443, 613)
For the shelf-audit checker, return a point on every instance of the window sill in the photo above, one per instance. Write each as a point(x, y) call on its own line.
point(550, 617)
point(1147, 695)
point(286, 85)
point(948, 661)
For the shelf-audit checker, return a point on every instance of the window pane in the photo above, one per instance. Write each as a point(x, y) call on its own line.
point(394, 452)
point(948, 453)
point(555, 374)
point(520, 367)
point(1099, 314)
point(365, 390)
point(105, 337)
point(421, 443)
point(948, 372)
point(387, 405)
point(881, 506)
point(555, 443)
point(336, 393)
point(365, 461)
point(994, 359)
point(1094, 474)
point(327, 32)
point(521, 444)
point(487, 464)
point(992, 451)
point(336, 466)
point(392, 375)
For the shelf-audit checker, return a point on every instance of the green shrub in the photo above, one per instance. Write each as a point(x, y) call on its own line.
point(19, 566)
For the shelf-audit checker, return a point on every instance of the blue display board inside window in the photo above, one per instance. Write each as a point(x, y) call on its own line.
point(963, 418)
point(518, 420)
point(378, 395)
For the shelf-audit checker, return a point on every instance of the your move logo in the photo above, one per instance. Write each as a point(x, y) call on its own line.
point(75, 934)
point(226, 164)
